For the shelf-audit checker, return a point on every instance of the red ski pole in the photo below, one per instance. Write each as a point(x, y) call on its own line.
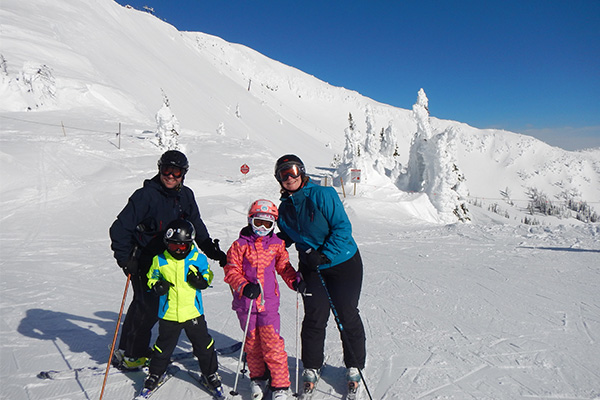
point(112, 348)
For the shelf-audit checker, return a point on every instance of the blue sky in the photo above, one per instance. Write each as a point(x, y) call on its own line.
point(528, 66)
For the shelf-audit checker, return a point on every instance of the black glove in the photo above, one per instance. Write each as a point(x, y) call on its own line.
point(314, 258)
point(161, 287)
point(212, 250)
point(251, 290)
point(299, 286)
point(197, 282)
point(131, 265)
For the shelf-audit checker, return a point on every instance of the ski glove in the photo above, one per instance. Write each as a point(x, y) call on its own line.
point(314, 258)
point(251, 290)
point(161, 287)
point(197, 282)
point(131, 265)
point(212, 250)
point(299, 286)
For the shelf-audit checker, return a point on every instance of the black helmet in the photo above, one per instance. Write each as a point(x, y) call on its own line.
point(288, 161)
point(179, 237)
point(174, 158)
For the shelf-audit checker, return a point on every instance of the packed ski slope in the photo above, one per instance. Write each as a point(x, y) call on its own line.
point(487, 310)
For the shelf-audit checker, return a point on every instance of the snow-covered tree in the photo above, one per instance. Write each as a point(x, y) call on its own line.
point(446, 187)
point(389, 151)
point(433, 167)
point(167, 127)
point(221, 129)
point(353, 148)
point(373, 138)
point(3, 67)
point(416, 168)
point(39, 85)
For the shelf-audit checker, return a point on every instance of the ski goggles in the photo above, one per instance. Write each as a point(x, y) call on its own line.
point(288, 171)
point(176, 172)
point(178, 247)
point(261, 224)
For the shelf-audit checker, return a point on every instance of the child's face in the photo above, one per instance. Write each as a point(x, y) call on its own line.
point(261, 226)
point(179, 250)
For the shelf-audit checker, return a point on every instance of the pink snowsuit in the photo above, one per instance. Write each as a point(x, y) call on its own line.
point(252, 258)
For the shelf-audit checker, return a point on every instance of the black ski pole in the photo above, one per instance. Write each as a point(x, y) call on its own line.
point(342, 331)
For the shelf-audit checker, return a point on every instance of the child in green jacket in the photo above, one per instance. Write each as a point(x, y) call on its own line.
point(177, 276)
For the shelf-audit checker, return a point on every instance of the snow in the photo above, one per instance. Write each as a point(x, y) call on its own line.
point(491, 309)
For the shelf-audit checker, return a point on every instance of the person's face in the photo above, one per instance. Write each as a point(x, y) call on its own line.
point(171, 176)
point(292, 184)
point(290, 177)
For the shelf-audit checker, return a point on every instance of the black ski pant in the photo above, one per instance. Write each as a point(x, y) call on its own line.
point(141, 317)
point(202, 343)
point(344, 282)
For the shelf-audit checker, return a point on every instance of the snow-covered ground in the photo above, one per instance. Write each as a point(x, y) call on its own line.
point(492, 309)
point(487, 310)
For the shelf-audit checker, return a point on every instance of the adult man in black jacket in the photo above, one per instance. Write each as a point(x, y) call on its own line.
point(137, 236)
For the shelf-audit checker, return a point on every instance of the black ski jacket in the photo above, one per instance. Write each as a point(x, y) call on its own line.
point(145, 217)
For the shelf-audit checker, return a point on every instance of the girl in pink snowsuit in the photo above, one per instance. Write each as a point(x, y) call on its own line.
point(252, 262)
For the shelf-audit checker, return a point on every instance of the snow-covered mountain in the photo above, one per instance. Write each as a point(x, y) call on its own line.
point(118, 62)
point(493, 309)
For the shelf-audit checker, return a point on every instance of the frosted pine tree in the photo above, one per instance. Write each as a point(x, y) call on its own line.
point(373, 138)
point(167, 127)
point(353, 156)
point(446, 188)
point(433, 168)
point(353, 148)
point(221, 129)
point(416, 164)
point(389, 150)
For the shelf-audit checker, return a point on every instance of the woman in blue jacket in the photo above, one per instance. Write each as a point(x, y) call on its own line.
point(313, 217)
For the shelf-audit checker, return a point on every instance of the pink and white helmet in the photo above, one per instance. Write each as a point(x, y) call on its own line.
point(262, 215)
point(263, 206)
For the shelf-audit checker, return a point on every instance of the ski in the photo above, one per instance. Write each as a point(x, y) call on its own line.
point(169, 373)
point(85, 372)
point(217, 394)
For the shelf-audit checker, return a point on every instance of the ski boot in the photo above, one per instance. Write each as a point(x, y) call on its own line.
point(310, 376)
point(258, 388)
point(280, 394)
point(353, 376)
point(213, 382)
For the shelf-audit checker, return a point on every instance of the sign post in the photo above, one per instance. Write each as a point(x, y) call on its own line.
point(355, 178)
point(244, 169)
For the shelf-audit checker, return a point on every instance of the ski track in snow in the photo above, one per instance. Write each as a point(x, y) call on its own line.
point(471, 311)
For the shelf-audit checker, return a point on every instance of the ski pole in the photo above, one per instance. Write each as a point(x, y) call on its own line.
point(112, 348)
point(342, 331)
point(237, 373)
point(297, 338)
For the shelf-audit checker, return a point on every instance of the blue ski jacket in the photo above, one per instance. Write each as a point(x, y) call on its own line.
point(314, 217)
